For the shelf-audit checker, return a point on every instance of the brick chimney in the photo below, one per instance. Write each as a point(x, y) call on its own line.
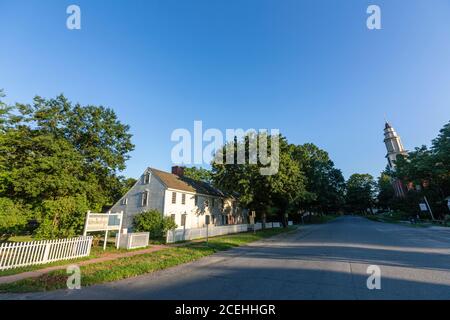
point(177, 170)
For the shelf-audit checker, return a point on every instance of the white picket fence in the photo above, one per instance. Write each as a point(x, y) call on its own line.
point(199, 233)
point(212, 231)
point(270, 225)
point(133, 240)
point(22, 254)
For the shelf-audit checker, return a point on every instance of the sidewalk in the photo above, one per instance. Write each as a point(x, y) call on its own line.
point(109, 257)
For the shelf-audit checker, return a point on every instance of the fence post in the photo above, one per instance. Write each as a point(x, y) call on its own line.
point(46, 252)
point(85, 223)
point(89, 246)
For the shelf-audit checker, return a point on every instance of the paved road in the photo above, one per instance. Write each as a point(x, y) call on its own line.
point(316, 262)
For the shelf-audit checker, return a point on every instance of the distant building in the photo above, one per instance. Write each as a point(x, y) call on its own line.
point(186, 200)
point(394, 148)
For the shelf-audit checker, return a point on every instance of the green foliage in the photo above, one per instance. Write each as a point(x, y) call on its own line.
point(152, 221)
point(256, 191)
point(61, 160)
point(324, 183)
point(360, 192)
point(199, 174)
point(306, 180)
point(62, 218)
point(13, 217)
point(4, 113)
point(385, 191)
point(427, 172)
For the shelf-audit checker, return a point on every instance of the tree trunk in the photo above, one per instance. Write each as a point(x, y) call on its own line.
point(264, 216)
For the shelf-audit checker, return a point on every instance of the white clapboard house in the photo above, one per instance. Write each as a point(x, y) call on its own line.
point(186, 200)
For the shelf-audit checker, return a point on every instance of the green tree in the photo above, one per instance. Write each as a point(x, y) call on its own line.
point(261, 192)
point(441, 153)
point(360, 192)
point(62, 217)
point(53, 153)
point(386, 192)
point(199, 174)
point(324, 183)
point(39, 167)
point(4, 113)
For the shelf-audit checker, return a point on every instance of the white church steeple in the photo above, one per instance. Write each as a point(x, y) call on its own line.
point(393, 144)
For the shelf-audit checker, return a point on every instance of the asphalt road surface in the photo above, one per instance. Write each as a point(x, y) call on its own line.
point(326, 261)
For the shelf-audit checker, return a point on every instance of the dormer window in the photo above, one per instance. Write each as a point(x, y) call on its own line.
point(147, 178)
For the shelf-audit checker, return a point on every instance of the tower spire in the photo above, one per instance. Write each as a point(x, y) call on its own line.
point(393, 144)
point(394, 148)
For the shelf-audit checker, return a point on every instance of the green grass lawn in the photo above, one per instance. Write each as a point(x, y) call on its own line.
point(400, 218)
point(140, 264)
point(21, 239)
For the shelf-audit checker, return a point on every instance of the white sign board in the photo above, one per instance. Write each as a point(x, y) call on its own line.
point(104, 222)
point(423, 207)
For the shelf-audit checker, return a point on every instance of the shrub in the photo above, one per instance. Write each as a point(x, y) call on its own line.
point(13, 217)
point(62, 218)
point(152, 221)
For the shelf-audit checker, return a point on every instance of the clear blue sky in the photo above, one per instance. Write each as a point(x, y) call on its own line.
point(310, 68)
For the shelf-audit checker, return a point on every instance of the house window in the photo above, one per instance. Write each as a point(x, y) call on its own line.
point(124, 201)
point(206, 203)
point(147, 178)
point(144, 198)
point(183, 198)
point(174, 197)
point(196, 200)
point(213, 203)
point(173, 216)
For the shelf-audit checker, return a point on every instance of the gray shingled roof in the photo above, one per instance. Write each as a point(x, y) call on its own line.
point(173, 181)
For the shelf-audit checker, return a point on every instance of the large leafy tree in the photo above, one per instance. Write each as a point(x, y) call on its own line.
point(360, 192)
point(324, 183)
point(385, 191)
point(441, 153)
point(61, 160)
point(257, 191)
